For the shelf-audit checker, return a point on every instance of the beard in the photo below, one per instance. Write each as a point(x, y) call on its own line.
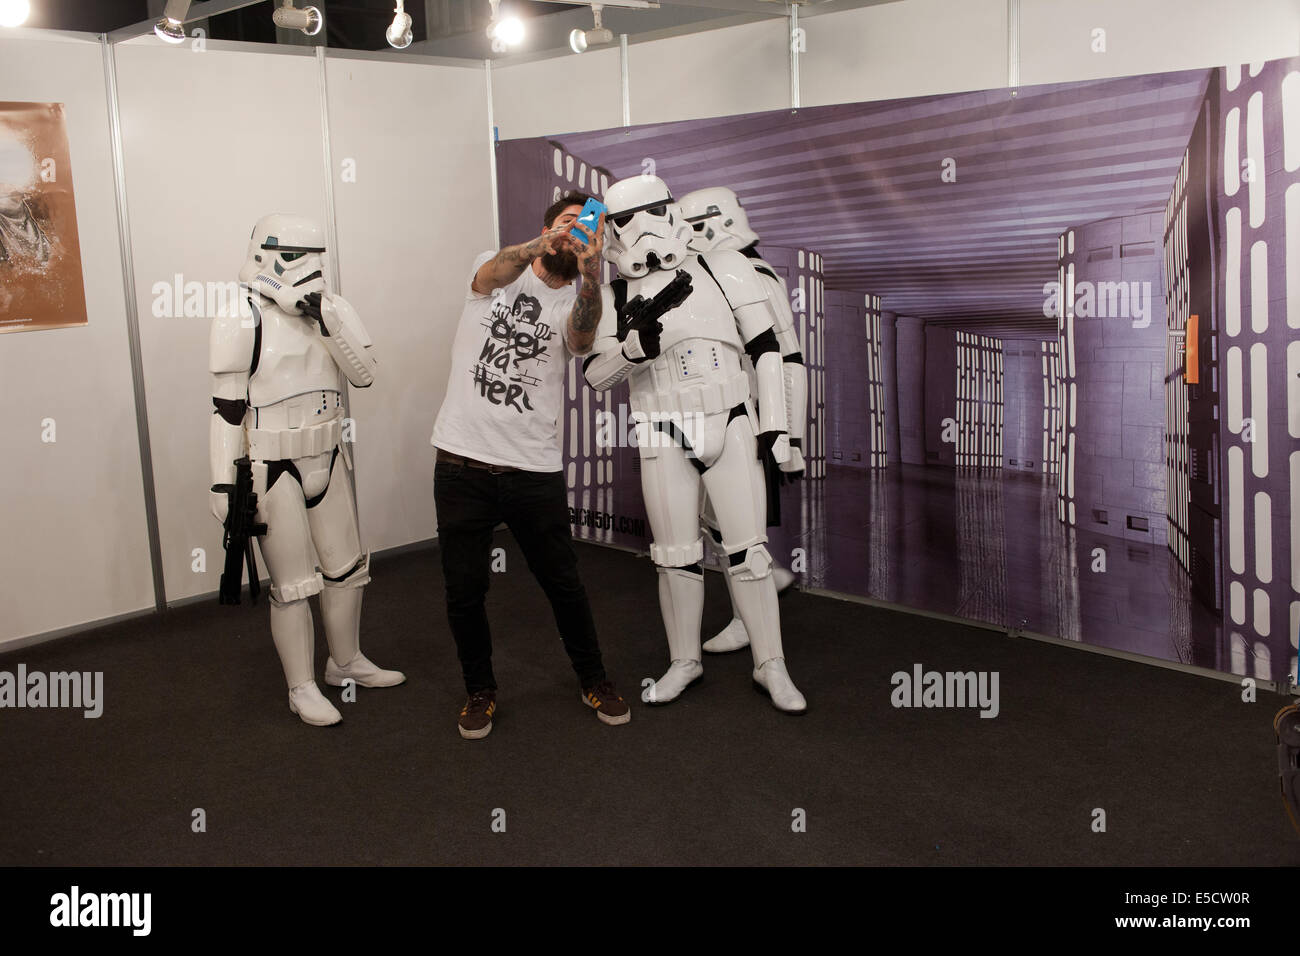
point(563, 264)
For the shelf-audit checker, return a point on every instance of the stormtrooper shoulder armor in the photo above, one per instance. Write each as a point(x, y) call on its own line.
point(735, 274)
point(231, 342)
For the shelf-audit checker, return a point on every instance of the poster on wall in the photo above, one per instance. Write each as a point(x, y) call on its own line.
point(40, 255)
point(1050, 337)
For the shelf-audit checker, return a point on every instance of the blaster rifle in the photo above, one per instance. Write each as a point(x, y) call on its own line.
point(642, 315)
point(241, 528)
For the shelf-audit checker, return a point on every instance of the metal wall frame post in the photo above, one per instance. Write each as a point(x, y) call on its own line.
point(133, 325)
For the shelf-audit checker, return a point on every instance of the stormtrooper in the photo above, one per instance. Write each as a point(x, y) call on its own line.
point(278, 401)
point(695, 423)
point(718, 221)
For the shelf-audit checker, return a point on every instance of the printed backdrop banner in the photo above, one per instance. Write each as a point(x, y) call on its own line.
point(997, 294)
point(40, 256)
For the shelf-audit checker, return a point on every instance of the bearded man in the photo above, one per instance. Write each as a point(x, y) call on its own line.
point(498, 453)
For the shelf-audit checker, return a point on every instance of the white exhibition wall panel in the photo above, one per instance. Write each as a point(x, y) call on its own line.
point(1064, 40)
point(72, 522)
point(563, 94)
point(740, 69)
point(912, 48)
point(413, 193)
point(213, 140)
point(885, 51)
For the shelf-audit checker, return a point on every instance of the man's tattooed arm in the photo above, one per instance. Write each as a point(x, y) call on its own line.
point(586, 311)
point(584, 318)
point(508, 264)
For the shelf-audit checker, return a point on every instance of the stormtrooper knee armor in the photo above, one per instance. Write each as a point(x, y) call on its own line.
point(696, 424)
point(278, 401)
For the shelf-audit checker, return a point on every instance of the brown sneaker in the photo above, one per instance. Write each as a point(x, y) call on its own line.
point(604, 700)
point(476, 716)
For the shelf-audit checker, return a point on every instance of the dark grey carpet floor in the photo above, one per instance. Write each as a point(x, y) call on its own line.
point(196, 717)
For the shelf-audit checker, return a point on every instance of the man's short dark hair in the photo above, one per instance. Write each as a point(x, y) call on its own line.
point(571, 198)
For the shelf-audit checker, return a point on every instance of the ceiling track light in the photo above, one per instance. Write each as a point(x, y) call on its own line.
point(307, 21)
point(171, 28)
point(14, 13)
point(579, 40)
point(504, 31)
point(399, 35)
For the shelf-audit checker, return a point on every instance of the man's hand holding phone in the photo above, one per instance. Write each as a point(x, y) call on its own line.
point(589, 252)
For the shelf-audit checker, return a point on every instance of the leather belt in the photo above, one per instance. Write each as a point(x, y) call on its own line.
point(446, 457)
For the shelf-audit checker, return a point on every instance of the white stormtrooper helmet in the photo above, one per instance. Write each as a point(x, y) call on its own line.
point(717, 220)
point(646, 230)
point(285, 259)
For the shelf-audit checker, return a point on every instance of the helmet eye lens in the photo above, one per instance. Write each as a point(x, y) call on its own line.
point(291, 256)
point(622, 221)
point(657, 210)
point(699, 227)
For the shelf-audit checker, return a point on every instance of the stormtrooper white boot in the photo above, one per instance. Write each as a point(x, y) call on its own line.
point(310, 705)
point(733, 637)
point(681, 598)
point(755, 597)
point(291, 630)
point(773, 679)
point(341, 608)
point(361, 670)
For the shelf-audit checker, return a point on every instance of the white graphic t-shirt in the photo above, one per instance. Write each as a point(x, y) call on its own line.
point(505, 393)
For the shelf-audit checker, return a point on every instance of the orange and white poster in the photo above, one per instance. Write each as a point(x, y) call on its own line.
point(40, 256)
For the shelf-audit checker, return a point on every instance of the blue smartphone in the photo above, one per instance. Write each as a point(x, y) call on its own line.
point(589, 217)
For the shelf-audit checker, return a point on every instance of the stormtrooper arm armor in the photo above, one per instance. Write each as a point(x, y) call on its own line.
point(792, 369)
point(231, 344)
point(346, 339)
point(766, 356)
point(757, 322)
point(612, 360)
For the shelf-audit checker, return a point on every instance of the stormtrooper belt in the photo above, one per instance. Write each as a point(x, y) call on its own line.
point(285, 444)
point(701, 400)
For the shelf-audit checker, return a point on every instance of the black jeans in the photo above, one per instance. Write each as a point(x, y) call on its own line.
point(471, 502)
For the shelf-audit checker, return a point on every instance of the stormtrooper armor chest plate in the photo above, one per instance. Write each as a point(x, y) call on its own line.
point(292, 360)
point(699, 368)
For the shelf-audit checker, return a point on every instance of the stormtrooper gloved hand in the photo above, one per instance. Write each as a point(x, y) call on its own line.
point(640, 341)
point(774, 444)
point(310, 306)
